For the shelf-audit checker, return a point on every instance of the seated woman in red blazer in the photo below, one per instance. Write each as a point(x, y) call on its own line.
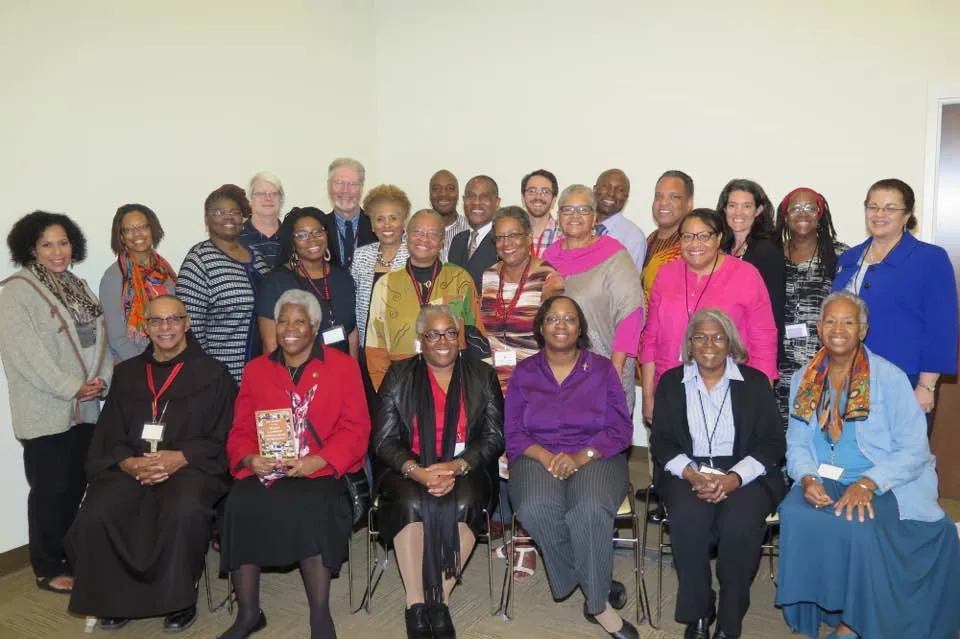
point(291, 506)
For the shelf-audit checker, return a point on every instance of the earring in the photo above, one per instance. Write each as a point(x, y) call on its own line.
point(294, 259)
point(326, 256)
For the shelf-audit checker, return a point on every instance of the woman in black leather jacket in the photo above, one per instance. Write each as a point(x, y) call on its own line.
point(437, 465)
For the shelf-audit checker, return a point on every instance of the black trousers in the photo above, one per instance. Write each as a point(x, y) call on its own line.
point(736, 527)
point(54, 467)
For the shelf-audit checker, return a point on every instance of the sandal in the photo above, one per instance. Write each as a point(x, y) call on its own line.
point(46, 583)
point(523, 567)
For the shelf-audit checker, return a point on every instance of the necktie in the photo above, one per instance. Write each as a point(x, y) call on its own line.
point(600, 229)
point(348, 243)
point(473, 244)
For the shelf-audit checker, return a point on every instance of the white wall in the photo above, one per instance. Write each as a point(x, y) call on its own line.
point(161, 102)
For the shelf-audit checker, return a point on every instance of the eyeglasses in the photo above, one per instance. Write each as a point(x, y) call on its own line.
point(173, 320)
point(702, 236)
point(306, 234)
point(226, 213)
point(804, 209)
point(512, 237)
point(432, 337)
point(874, 209)
point(717, 340)
point(542, 190)
point(266, 195)
point(343, 184)
point(433, 236)
point(554, 319)
point(131, 230)
point(567, 211)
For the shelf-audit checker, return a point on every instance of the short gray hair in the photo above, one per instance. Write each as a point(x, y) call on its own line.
point(350, 163)
point(427, 213)
point(270, 178)
point(514, 213)
point(577, 189)
point(856, 300)
point(299, 297)
point(435, 309)
point(737, 350)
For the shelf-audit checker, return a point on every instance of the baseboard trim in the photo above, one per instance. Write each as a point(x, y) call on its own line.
point(14, 559)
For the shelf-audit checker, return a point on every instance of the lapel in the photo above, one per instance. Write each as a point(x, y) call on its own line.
point(472, 397)
point(458, 248)
point(365, 230)
point(485, 250)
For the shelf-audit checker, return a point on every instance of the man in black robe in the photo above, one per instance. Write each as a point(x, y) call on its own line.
point(139, 541)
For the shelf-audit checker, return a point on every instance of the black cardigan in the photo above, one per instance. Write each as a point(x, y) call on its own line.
point(756, 418)
point(768, 258)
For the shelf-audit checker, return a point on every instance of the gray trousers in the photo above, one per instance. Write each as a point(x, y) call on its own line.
point(572, 522)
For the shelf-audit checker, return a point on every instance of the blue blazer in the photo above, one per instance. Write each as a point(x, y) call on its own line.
point(912, 297)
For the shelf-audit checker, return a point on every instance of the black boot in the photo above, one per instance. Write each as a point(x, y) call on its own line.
point(441, 622)
point(418, 625)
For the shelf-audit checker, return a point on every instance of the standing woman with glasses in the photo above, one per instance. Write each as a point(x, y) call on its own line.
point(261, 230)
point(305, 265)
point(810, 247)
point(398, 297)
point(909, 287)
point(602, 278)
point(138, 276)
point(705, 277)
point(218, 283)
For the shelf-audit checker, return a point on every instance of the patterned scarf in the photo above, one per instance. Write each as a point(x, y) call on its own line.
point(71, 292)
point(813, 395)
point(142, 283)
point(301, 426)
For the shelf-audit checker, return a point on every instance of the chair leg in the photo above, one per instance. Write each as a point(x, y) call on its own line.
point(206, 584)
point(660, 575)
point(350, 571)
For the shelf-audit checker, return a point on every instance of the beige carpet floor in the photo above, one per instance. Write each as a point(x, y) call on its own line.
point(26, 612)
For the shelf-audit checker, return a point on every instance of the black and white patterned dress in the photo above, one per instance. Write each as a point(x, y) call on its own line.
point(806, 288)
point(219, 294)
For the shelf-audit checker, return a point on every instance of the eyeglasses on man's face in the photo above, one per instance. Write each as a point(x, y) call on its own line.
point(538, 190)
point(172, 320)
point(432, 336)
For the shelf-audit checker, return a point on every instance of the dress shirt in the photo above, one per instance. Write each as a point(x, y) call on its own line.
point(587, 409)
point(342, 229)
point(629, 234)
point(702, 421)
point(543, 241)
point(460, 224)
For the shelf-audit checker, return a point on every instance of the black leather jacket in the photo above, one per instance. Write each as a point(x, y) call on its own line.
point(392, 430)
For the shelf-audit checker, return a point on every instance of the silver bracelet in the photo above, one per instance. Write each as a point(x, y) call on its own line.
point(412, 468)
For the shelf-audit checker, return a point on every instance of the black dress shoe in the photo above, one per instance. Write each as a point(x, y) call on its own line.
point(180, 620)
point(113, 623)
point(627, 630)
point(440, 621)
point(418, 625)
point(617, 598)
point(720, 634)
point(700, 629)
point(657, 515)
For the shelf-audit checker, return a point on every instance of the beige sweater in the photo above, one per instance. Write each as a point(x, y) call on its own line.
point(42, 358)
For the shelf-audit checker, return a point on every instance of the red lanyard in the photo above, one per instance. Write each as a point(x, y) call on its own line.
point(503, 310)
point(323, 295)
point(418, 287)
point(153, 389)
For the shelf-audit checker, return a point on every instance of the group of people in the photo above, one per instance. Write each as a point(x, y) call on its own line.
point(288, 351)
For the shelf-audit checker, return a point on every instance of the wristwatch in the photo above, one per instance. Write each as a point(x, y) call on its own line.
point(591, 454)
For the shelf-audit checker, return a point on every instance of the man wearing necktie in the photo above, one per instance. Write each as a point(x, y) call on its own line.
point(347, 226)
point(474, 250)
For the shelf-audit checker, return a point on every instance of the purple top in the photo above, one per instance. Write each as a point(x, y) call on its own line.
point(587, 409)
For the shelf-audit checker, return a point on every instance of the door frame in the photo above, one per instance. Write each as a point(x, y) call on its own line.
point(937, 98)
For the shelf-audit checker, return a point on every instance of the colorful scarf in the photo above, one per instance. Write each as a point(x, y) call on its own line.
point(299, 407)
point(141, 284)
point(814, 396)
point(659, 252)
point(71, 292)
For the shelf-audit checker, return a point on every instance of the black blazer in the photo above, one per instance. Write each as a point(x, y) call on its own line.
point(483, 258)
point(756, 418)
point(364, 236)
point(483, 402)
point(768, 258)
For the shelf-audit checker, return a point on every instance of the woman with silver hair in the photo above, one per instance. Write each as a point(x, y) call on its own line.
point(261, 230)
point(437, 438)
point(300, 424)
point(717, 445)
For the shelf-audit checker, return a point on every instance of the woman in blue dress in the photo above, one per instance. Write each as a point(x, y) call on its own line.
point(864, 547)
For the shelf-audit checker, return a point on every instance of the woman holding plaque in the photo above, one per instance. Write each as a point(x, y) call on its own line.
point(300, 424)
point(438, 435)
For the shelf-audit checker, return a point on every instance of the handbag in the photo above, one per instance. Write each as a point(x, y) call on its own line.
point(358, 490)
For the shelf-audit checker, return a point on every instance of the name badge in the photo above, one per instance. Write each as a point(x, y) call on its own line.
point(710, 470)
point(416, 346)
point(505, 468)
point(505, 357)
point(797, 331)
point(830, 471)
point(333, 335)
point(152, 432)
point(459, 448)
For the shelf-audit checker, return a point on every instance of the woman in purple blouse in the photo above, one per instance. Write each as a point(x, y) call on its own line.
point(567, 426)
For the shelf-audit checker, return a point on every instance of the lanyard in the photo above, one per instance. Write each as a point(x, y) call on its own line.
point(686, 272)
point(323, 295)
point(418, 287)
point(166, 384)
point(503, 310)
point(710, 434)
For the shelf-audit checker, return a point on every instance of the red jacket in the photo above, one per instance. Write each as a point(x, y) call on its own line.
point(338, 411)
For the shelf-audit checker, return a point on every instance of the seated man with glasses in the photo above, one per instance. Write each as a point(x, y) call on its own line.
point(156, 468)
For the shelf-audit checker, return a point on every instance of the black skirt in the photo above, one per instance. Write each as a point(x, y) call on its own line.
point(293, 519)
point(400, 501)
